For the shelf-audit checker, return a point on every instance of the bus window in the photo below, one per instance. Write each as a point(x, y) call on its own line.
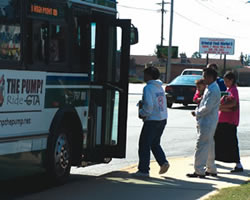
point(93, 47)
point(39, 41)
point(10, 37)
point(112, 114)
point(57, 44)
point(48, 44)
point(76, 44)
point(118, 54)
point(81, 45)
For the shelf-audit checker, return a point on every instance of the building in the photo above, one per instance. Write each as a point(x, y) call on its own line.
point(139, 63)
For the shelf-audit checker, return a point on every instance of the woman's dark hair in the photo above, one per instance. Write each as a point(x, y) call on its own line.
point(230, 76)
point(210, 72)
point(213, 66)
point(153, 72)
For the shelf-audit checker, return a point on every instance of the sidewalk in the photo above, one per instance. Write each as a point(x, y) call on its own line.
point(121, 185)
point(175, 185)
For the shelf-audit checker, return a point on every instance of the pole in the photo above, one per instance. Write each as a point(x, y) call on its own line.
point(224, 67)
point(162, 21)
point(170, 42)
point(162, 25)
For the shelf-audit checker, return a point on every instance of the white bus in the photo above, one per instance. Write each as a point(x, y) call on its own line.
point(63, 85)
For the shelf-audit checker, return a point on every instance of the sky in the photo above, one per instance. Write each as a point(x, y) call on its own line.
point(192, 20)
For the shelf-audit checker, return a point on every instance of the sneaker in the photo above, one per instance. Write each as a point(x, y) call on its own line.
point(140, 174)
point(194, 175)
point(237, 169)
point(210, 174)
point(164, 168)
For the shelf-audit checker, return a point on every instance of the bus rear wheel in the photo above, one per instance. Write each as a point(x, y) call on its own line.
point(59, 156)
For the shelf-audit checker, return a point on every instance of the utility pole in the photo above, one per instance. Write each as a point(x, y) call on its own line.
point(162, 4)
point(170, 41)
point(162, 19)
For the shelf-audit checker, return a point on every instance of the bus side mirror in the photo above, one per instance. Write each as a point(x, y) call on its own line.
point(133, 35)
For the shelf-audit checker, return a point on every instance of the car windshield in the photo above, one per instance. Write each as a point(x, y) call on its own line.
point(186, 80)
point(192, 73)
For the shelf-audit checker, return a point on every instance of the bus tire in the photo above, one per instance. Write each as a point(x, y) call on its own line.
point(59, 156)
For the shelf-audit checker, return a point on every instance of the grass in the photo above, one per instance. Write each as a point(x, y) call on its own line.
point(135, 80)
point(241, 192)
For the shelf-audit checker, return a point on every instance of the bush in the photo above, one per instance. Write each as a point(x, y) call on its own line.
point(135, 80)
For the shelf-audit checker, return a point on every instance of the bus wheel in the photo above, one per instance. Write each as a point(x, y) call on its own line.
point(59, 157)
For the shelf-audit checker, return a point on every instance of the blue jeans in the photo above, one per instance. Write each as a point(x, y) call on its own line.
point(150, 139)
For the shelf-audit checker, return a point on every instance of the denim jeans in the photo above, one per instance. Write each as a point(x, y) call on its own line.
point(150, 139)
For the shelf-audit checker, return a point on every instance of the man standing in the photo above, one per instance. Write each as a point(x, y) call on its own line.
point(153, 111)
point(219, 80)
point(207, 118)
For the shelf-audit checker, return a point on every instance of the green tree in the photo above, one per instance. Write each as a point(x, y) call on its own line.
point(196, 55)
point(245, 59)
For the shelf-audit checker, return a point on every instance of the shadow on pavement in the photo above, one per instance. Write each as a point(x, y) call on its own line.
point(245, 173)
point(119, 185)
point(12, 188)
point(116, 185)
point(127, 187)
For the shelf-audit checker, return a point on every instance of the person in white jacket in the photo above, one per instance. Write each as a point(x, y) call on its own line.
point(153, 111)
point(207, 118)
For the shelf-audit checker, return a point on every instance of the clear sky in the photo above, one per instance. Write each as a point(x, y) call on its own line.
point(192, 19)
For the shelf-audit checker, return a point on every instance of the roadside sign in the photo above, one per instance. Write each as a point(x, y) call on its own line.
point(221, 46)
point(162, 51)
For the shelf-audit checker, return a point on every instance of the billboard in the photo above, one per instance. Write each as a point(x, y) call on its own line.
point(162, 51)
point(217, 46)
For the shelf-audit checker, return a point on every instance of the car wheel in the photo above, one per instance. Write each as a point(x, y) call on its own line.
point(59, 156)
point(169, 105)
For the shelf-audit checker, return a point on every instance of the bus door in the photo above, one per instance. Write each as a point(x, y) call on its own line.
point(110, 45)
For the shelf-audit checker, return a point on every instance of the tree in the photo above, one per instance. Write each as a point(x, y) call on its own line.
point(196, 55)
point(245, 59)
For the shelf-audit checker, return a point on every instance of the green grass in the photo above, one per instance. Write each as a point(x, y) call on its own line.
point(233, 193)
point(135, 80)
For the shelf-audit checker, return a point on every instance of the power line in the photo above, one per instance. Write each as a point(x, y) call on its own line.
point(188, 19)
point(136, 8)
point(216, 12)
point(208, 28)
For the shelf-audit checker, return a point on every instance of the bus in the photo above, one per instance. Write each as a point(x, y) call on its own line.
point(63, 85)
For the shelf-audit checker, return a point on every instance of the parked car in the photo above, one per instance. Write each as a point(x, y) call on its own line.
point(192, 72)
point(181, 90)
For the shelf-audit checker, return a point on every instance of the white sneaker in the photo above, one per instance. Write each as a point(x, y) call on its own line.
point(140, 174)
point(164, 168)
